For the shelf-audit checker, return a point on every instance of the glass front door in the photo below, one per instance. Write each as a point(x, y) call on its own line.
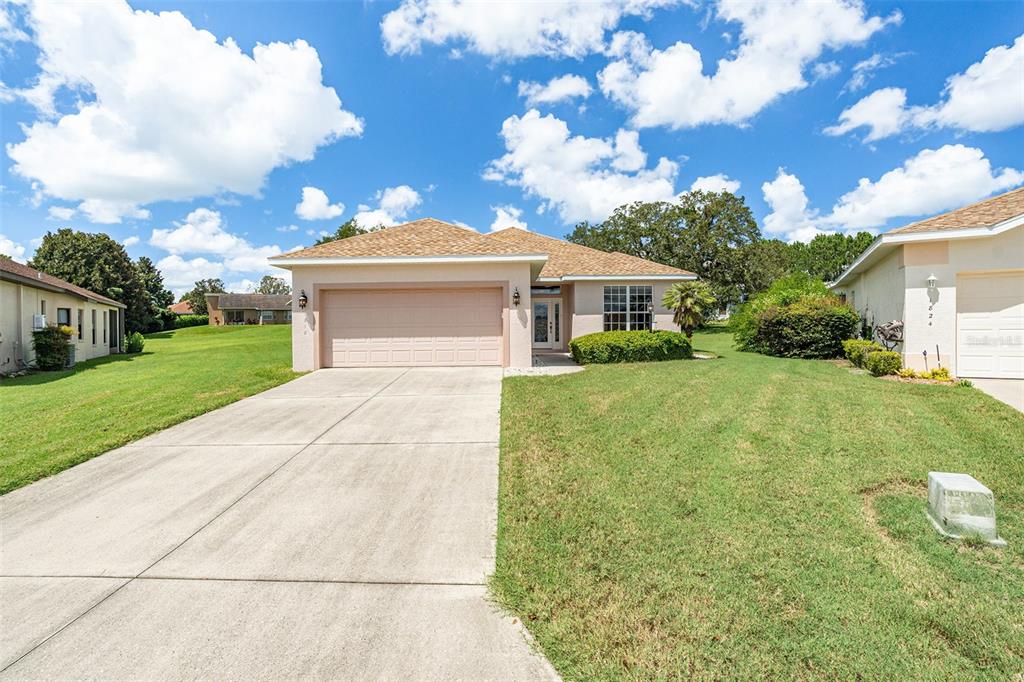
point(547, 319)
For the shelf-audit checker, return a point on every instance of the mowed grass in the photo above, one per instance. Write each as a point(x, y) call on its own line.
point(50, 421)
point(755, 518)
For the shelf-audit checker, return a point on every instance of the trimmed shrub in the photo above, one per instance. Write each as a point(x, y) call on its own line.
point(812, 327)
point(783, 291)
point(51, 346)
point(883, 362)
point(632, 346)
point(191, 321)
point(856, 349)
point(134, 343)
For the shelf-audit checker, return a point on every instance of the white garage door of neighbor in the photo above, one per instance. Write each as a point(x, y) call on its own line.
point(411, 327)
point(990, 326)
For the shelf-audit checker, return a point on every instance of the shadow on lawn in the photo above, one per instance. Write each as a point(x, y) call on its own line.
point(42, 377)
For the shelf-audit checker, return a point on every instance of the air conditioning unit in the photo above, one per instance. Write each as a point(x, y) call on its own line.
point(38, 322)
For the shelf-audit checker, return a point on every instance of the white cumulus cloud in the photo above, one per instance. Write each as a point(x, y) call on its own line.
point(170, 112)
point(61, 212)
point(180, 273)
point(583, 178)
point(9, 247)
point(316, 206)
point(509, 30)
point(507, 216)
point(393, 206)
point(934, 180)
point(203, 232)
point(558, 89)
point(131, 241)
point(930, 182)
point(720, 182)
point(778, 39)
point(790, 218)
point(987, 97)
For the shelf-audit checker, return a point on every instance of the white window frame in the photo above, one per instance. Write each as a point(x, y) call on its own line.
point(631, 322)
point(266, 316)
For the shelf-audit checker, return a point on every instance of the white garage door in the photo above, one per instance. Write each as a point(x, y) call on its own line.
point(990, 326)
point(379, 327)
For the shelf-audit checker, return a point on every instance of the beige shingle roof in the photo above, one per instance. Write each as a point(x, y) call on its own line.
point(981, 214)
point(566, 258)
point(424, 237)
point(430, 237)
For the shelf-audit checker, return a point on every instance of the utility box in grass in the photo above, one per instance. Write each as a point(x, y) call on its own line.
point(959, 506)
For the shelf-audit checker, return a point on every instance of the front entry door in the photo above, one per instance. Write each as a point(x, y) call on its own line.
point(547, 318)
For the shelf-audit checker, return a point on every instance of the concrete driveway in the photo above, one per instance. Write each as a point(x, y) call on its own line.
point(1010, 391)
point(339, 526)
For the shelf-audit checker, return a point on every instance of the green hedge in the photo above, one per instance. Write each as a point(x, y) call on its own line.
point(813, 327)
point(635, 346)
point(857, 349)
point(191, 321)
point(51, 345)
point(883, 362)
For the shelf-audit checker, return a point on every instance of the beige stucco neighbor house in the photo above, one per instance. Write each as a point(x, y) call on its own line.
point(30, 299)
point(433, 293)
point(956, 281)
point(249, 308)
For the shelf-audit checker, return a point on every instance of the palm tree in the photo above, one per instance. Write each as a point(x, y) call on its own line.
point(690, 302)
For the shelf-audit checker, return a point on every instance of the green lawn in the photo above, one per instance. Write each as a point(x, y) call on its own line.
point(754, 517)
point(53, 420)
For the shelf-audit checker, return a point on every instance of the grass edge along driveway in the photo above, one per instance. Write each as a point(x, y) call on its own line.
point(755, 517)
point(55, 420)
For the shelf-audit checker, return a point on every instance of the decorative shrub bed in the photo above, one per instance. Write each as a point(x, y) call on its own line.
point(51, 346)
point(883, 362)
point(191, 321)
point(631, 346)
point(857, 349)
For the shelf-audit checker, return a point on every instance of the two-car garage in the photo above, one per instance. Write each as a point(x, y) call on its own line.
point(411, 327)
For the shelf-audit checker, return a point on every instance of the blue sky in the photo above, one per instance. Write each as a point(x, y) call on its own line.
point(195, 149)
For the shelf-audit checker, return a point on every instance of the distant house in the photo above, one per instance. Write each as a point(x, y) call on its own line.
point(249, 308)
point(30, 299)
point(183, 308)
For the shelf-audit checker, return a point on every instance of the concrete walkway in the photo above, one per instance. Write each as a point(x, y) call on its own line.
point(340, 526)
point(1010, 391)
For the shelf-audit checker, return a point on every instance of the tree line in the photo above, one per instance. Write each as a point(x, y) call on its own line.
point(715, 236)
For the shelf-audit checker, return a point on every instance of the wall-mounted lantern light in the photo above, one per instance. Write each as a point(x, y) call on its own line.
point(303, 300)
point(650, 311)
point(515, 297)
point(932, 281)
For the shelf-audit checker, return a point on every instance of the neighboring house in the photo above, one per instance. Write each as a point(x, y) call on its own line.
point(249, 308)
point(183, 308)
point(30, 299)
point(432, 293)
point(956, 281)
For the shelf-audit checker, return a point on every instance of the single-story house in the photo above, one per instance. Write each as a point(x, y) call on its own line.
point(956, 281)
point(249, 308)
point(433, 293)
point(182, 308)
point(30, 300)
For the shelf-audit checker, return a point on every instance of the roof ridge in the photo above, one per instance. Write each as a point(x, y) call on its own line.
point(959, 209)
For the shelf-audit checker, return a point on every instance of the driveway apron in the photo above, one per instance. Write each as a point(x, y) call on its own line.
point(340, 526)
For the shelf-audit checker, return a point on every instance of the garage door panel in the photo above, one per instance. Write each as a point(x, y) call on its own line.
point(412, 327)
point(990, 326)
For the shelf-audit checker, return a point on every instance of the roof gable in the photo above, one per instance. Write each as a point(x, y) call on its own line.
point(986, 213)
